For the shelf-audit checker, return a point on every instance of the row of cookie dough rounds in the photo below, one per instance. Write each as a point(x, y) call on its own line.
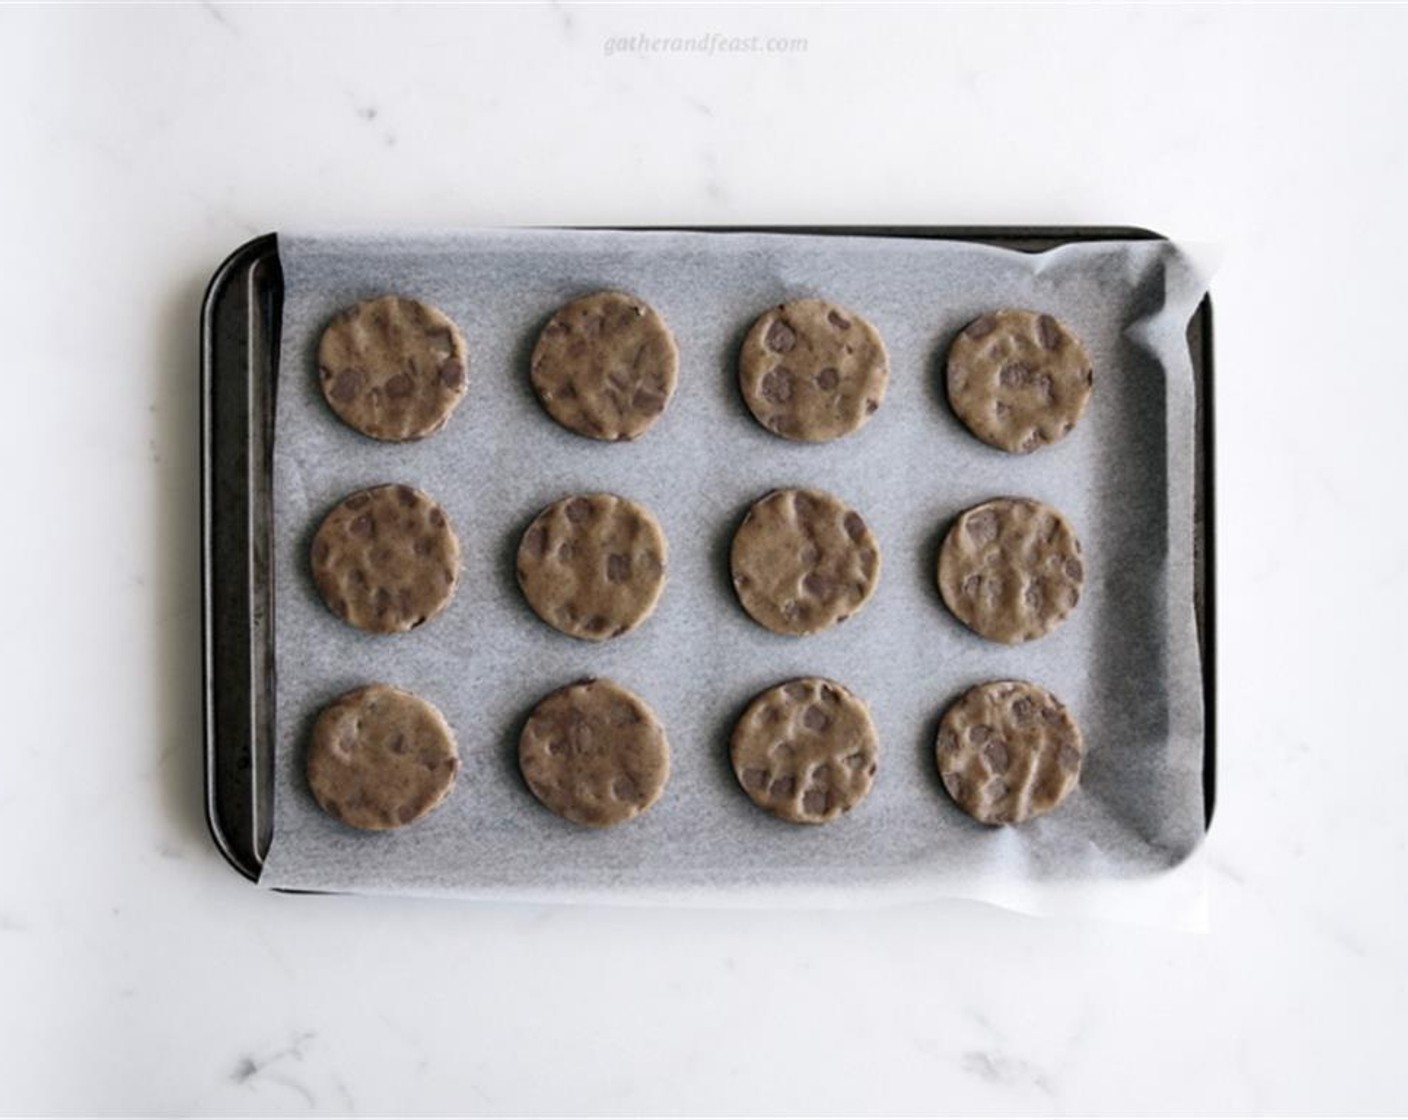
point(593, 565)
point(594, 753)
point(606, 365)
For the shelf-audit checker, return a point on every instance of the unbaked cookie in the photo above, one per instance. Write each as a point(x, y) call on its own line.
point(593, 565)
point(1018, 379)
point(811, 370)
point(594, 752)
point(393, 368)
point(1008, 751)
point(605, 366)
point(381, 758)
point(802, 561)
point(1010, 569)
point(805, 750)
point(386, 559)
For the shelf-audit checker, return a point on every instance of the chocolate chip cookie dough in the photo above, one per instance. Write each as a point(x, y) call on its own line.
point(381, 758)
point(386, 559)
point(593, 565)
point(594, 752)
point(1010, 569)
point(605, 366)
point(803, 561)
point(811, 370)
point(1018, 379)
point(805, 750)
point(393, 368)
point(1008, 751)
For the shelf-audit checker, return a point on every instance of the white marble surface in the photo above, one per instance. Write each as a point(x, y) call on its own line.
point(139, 974)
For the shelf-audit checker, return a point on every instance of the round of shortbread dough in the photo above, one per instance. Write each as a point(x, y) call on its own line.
point(594, 753)
point(1018, 379)
point(386, 559)
point(802, 561)
point(593, 565)
point(605, 366)
point(1011, 569)
point(381, 757)
point(812, 370)
point(393, 368)
point(805, 750)
point(1008, 751)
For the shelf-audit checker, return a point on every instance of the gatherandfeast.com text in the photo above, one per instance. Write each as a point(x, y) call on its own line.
point(709, 45)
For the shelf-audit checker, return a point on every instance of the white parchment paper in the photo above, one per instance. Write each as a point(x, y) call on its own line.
point(1126, 662)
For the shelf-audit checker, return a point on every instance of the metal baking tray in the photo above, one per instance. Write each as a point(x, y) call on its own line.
point(240, 330)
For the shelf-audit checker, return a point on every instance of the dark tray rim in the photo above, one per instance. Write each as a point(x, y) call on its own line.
point(240, 327)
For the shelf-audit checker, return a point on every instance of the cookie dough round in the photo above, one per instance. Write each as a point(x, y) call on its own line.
point(1008, 751)
point(805, 750)
point(1018, 379)
point(1010, 569)
point(605, 366)
point(381, 758)
point(803, 561)
point(393, 368)
point(811, 370)
point(594, 752)
point(593, 565)
point(386, 559)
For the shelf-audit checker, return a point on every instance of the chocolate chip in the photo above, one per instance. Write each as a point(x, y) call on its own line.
point(648, 401)
point(1049, 331)
point(818, 585)
point(1015, 375)
point(578, 510)
point(855, 525)
point(407, 497)
point(777, 385)
point(982, 527)
point(828, 379)
point(780, 337)
point(535, 542)
point(998, 757)
point(1023, 710)
point(814, 719)
point(814, 801)
point(979, 733)
point(400, 387)
point(754, 778)
point(347, 385)
point(796, 690)
point(1074, 569)
point(839, 321)
point(452, 373)
point(362, 526)
point(618, 567)
point(625, 789)
point(783, 787)
point(981, 328)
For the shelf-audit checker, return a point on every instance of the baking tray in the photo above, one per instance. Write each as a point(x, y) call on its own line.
point(240, 331)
